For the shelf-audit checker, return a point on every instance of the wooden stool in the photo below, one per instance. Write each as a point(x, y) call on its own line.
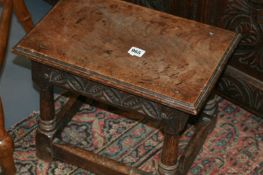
point(134, 58)
point(6, 143)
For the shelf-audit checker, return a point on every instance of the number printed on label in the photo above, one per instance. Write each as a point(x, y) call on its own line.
point(135, 51)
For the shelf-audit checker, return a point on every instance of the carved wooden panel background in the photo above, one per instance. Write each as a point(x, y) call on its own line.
point(244, 16)
point(242, 93)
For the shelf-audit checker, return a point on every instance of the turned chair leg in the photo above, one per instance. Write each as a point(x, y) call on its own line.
point(6, 143)
point(6, 148)
point(23, 15)
point(4, 27)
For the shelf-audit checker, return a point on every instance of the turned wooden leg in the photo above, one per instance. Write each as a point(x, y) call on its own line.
point(6, 148)
point(202, 128)
point(23, 15)
point(6, 143)
point(47, 123)
point(172, 131)
point(4, 27)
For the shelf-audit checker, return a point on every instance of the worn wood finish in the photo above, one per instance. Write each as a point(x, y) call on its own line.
point(240, 84)
point(51, 127)
point(45, 77)
point(172, 132)
point(23, 15)
point(93, 162)
point(47, 123)
point(5, 20)
point(48, 75)
point(238, 15)
point(4, 27)
point(6, 147)
point(183, 78)
point(245, 17)
point(82, 46)
point(203, 127)
point(6, 143)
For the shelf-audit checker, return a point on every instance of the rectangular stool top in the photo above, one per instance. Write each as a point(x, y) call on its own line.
point(91, 38)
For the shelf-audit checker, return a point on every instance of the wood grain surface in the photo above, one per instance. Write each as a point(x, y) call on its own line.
point(7, 163)
point(91, 38)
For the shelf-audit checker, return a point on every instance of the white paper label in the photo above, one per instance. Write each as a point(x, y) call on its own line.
point(135, 51)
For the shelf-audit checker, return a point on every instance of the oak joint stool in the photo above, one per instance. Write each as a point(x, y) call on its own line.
point(137, 59)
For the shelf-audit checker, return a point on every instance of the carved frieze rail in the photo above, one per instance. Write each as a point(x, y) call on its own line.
point(103, 93)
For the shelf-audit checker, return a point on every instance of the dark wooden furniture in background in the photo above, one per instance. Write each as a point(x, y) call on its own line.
point(6, 143)
point(83, 47)
point(242, 83)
